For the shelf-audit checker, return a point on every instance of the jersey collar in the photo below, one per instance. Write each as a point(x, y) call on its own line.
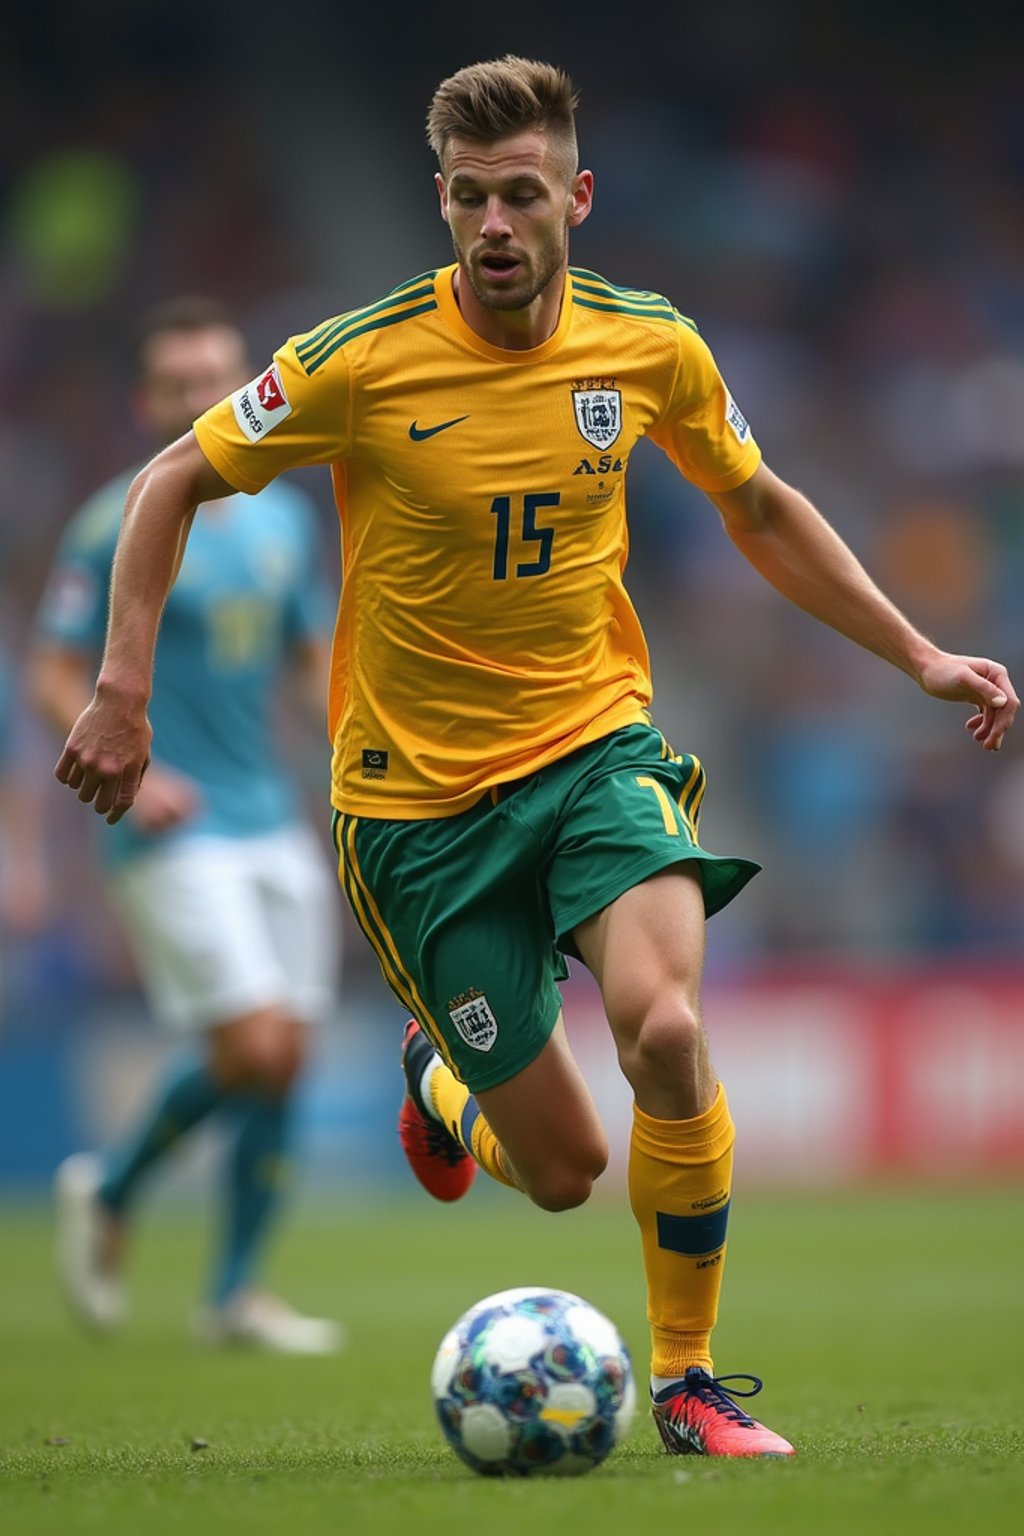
point(447, 304)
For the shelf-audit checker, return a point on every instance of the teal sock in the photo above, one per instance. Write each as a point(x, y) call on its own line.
point(186, 1094)
point(256, 1177)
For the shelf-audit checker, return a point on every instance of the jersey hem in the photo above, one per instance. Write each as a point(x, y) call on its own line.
point(421, 808)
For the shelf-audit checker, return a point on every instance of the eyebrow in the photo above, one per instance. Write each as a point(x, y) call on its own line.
point(466, 178)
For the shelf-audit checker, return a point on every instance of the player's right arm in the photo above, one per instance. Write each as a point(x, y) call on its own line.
point(107, 750)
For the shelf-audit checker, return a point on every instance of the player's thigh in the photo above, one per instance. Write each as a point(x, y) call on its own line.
point(454, 911)
point(646, 948)
point(198, 933)
point(546, 1119)
point(299, 901)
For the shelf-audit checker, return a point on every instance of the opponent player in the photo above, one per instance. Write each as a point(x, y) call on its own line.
point(224, 893)
point(502, 796)
point(24, 883)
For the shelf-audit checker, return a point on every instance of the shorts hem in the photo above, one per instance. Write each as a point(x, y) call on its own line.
point(507, 1071)
point(743, 870)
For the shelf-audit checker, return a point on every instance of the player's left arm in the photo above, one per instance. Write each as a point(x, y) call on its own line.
point(791, 545)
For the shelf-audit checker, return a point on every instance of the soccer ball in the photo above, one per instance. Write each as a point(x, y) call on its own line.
point(533, 1380)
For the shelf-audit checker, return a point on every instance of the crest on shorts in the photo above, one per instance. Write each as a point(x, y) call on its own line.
point(471, 1015)
point(598, 415)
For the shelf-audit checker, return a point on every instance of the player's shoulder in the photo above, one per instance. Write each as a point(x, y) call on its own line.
point(410, 299)
point(592, 292)
point(96, 523)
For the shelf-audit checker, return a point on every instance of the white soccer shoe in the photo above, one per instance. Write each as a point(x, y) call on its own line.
point(262, 1321)
point(91, 1286)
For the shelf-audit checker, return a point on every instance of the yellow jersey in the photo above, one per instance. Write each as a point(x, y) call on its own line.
point(483, 629)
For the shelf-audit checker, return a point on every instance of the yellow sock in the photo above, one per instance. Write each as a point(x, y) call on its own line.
point(680, 1176)
point(459, 1112)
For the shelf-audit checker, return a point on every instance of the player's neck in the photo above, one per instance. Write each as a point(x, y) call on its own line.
point(515, 329)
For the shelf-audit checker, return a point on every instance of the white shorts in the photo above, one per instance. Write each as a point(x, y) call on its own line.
point(223, 926)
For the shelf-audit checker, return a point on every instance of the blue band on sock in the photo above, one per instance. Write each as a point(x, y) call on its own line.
point(693, 1236)
point(470, 1116)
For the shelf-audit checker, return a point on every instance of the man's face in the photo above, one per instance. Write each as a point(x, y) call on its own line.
point(510, 205)
point(184, 373)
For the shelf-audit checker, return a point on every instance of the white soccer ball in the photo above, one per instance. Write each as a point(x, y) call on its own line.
point(533, 1380)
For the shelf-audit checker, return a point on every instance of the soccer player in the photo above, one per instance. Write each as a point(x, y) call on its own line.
point(502, 796)
point(24, 886)
point(224, 892)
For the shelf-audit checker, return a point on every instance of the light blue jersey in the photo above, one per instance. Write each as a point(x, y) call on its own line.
point(250, 588)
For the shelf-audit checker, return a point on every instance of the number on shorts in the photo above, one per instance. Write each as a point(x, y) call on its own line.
point(668, 810)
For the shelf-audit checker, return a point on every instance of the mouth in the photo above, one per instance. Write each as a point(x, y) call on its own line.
point(499, 266)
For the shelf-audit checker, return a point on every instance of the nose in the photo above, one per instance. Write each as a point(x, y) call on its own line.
point(496, 225)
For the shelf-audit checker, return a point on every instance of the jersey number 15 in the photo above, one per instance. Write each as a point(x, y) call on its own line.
point(527, 533)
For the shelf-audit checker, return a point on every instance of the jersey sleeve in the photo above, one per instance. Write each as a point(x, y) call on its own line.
point(285, 417)
point(702, 429)
point(73, 609)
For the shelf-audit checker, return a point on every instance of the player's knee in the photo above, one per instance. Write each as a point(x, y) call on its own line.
point(263, 1054)
point(563, 1186)
point(665, 1039)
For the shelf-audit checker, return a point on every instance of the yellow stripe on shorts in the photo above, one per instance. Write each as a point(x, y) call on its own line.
point(367, 915)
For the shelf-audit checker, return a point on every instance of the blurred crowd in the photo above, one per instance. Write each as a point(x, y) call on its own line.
point(837, 201)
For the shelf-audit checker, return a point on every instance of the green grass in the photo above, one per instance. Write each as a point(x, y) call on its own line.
point(887, 1325)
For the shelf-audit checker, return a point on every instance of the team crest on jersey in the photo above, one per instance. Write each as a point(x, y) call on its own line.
point(261, 405)
point(471, 1014)
point(598, 415)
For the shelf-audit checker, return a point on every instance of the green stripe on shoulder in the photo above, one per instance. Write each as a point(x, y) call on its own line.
point(591, 283)
point(615, 307)
point(414, 288)
point(378, 324)
point(592, 291)
point(414, 282)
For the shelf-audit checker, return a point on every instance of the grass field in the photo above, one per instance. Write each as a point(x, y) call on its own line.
point(888, 1327)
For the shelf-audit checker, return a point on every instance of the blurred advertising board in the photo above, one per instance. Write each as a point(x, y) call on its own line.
point(839, 1075)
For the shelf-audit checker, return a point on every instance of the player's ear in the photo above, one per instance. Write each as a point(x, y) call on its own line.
point(581, 195)
point(442, 192)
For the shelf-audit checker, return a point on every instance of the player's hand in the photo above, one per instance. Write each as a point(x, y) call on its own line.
point(975, 680)
point(165, 799)
point(107, 754)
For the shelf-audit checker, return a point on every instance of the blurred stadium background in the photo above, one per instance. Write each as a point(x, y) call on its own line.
point(835, 195)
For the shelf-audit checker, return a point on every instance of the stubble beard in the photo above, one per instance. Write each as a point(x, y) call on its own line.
point(551, 262)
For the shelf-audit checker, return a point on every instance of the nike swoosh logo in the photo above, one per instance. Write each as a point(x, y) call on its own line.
point(420, 434)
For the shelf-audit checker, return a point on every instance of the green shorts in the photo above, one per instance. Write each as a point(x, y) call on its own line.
point(471, 916)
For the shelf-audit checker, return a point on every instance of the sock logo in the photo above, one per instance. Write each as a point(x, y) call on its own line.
point(474, 1019)
point(710, 1202)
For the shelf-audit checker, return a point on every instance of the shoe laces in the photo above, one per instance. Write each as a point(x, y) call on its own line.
point(441, 1143)
point(432, 1139)
point(713, 1393)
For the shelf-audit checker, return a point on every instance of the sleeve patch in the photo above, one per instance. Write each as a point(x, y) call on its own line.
point(736, 419)
point(259, 406)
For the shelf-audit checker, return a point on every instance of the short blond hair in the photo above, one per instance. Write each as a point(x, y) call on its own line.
point(504, 96)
